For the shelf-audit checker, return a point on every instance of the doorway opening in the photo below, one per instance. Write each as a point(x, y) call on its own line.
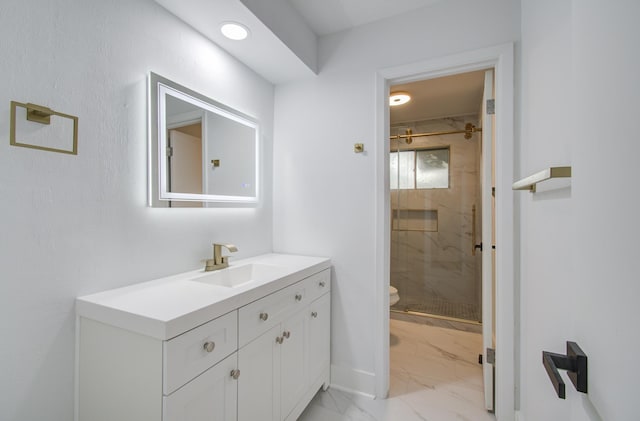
point(500, 59)
point(438, 157)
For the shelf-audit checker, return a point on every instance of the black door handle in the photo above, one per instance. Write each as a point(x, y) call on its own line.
point(575, 362)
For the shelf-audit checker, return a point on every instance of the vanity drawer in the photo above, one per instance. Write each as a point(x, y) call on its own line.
point(256, 318)
point(188, 355)
point(318, 284)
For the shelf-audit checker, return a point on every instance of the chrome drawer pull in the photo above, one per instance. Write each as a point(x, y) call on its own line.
point(209, 346)
point(264, 316)
point(298, 297)
point(286, 334)
point(314, 314)
point(279, 339)
point(235, 374)
point(322, 284)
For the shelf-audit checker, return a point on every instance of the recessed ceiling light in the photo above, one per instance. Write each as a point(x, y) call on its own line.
point(234, 30)
point(399, 98)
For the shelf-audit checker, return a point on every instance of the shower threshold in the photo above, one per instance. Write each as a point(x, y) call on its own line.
point(436, 316)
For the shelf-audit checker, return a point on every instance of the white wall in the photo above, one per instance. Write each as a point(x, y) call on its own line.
point(580, 86)
point(545, 217)
point(73, 225)
point(324, 200)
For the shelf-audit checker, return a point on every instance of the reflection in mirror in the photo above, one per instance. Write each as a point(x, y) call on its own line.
point(202, 153)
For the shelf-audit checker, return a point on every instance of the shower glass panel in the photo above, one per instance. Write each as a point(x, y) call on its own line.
point(435, 186)
point(402, 174)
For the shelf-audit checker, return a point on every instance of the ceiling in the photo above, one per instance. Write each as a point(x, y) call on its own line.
point(447, 96)
point(329, 16)
point(284, 37)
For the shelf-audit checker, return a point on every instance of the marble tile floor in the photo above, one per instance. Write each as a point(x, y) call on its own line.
point(435, 376)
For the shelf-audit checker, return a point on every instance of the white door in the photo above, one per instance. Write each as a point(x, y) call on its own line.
point(488, 279)
point(293, 377)
point(185, 163)
point(212, 396)
point(259, 382)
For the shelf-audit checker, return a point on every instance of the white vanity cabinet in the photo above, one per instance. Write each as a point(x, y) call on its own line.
point(284, 352)
point(263, 355)
point(123, 375)
point(211, 396)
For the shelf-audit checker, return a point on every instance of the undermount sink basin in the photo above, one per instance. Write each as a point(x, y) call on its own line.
point(233, 277)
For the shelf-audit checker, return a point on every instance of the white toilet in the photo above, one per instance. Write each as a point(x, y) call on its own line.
point(393, 295)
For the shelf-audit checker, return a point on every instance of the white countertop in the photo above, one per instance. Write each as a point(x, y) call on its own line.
point(166, 307)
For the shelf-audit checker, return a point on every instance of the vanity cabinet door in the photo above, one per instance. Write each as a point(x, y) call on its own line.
point(212, 396)
point(319, 314)
point(293, 371)
point(259, 384)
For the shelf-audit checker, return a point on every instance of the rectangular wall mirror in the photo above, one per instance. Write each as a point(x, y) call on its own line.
point(201, 153)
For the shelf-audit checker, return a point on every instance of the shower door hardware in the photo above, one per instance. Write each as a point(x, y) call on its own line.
point(469, 129)
point(474, 246)
point(575, 362)
point(473, 230)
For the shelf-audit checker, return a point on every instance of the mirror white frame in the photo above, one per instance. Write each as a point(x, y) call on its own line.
point(159, 194)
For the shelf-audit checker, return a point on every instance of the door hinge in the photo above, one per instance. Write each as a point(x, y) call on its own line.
point(491, 356)
point(169, 151)
point(491, 106)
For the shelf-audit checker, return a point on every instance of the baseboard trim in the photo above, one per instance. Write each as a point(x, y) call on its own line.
point(353, 380)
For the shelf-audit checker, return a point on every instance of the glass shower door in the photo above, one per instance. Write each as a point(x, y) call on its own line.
point(434, 191)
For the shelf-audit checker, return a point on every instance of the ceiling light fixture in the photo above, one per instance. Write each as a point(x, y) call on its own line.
point(399, 98)
point(234, 30)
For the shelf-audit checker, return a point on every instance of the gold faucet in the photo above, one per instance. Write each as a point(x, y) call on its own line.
point(219, 261)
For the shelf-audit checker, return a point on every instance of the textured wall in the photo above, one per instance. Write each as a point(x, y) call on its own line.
point(73, 225)
point(325, 195)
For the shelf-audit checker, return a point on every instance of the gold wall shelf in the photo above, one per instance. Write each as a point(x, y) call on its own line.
point(529, 183)
point(42, 115)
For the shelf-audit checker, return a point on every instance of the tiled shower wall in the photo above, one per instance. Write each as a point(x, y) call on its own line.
point(435, 271)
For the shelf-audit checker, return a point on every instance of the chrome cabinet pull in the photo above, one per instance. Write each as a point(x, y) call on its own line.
point(298, 297)
point(286, 334)
point(279, 339)
point(264, 316)
point(322, 284)
point(209, 346)
point(314, 314)
point(235, 374)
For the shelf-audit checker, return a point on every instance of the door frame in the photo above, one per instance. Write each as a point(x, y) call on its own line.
point(501, 58)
